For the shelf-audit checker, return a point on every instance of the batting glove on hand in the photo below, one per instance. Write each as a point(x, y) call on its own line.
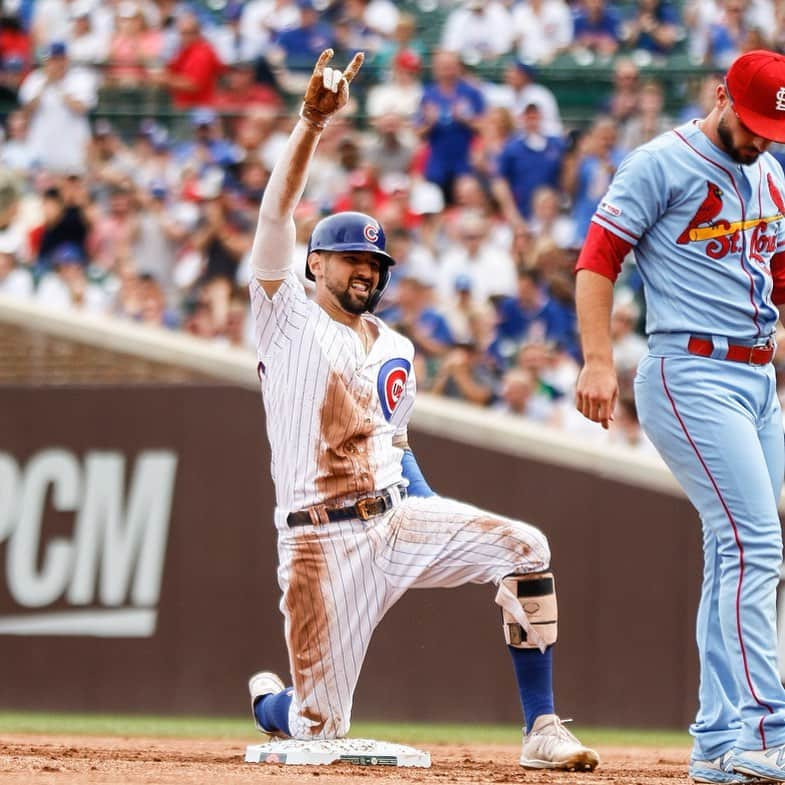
point(328, 90)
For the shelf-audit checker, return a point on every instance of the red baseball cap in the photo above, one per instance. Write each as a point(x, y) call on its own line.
point(755, 83)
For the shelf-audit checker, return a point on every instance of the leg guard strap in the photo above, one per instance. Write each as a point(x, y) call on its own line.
point(529, 610)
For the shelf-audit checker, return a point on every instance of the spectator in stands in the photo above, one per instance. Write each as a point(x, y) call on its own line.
point(400, 94)
point(469, 322)
point(488, 266)
point(415, 316)
point(629, 346)
point(50, 23)
point(496, 129)
point(208, 147)
point(223, 236)
point(727, 34)
point(298, 47)
point(57, 99)
point(703, 94)
point(596, 28)
point(232, 43)
point(241, 92)
point(650, 119)
point(404, 38)
point(87, 46)
point(67, 286)
point(529, 160)
point(134, 47)
point(392, 147)
point(114, 230)
point(542, 29)
point(547, 223)
point(264, 20)
point(358, 35)
point(520, 89)
point(16, 152)
point(479, 30)
point(588, 170)
point(65, 221)
point(519, 396)
point(653, 27)
point(531, 315)
point(15, 56)
point(192, 75)
point(381, 16)
point(159, 235)
point(448, 119)
point(15, 280)
point(466, 374)
point(622, 104)
point(236, 331)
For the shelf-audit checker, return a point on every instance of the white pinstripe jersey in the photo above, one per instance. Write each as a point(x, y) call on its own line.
point(332, 412)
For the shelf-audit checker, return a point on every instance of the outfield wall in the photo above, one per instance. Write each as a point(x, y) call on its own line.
point(137, 556)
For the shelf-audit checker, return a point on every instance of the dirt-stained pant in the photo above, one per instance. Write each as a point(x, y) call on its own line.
point(338, 580)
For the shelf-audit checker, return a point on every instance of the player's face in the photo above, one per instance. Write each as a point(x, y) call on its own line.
point(739, 142)
point(351, 278)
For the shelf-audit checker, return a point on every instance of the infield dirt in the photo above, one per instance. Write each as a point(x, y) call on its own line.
point(87, 760)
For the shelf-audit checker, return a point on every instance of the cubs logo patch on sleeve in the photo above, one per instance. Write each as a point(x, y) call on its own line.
point(391, 384)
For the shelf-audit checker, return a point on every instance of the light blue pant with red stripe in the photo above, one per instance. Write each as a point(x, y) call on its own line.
point(718, 426)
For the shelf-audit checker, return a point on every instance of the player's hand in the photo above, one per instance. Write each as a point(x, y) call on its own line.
point(596, 393)
point(328, 89)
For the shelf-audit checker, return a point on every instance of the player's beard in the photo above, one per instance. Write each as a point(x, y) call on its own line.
point(349, 300)
point(726, 137)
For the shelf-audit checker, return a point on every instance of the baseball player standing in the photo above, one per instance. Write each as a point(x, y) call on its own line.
point(357, 523)
point(702, 206)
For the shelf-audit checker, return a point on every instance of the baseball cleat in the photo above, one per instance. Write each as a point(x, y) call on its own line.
point(718, 771)
point(261, 684)
point(764, 764)
point(550, 745)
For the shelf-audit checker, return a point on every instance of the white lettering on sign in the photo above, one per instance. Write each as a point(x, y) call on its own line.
point(111, 565)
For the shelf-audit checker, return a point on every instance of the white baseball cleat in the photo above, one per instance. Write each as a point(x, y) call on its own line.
point(718, 771)
point(550, 745)
point(765, 764)
point(261, 684)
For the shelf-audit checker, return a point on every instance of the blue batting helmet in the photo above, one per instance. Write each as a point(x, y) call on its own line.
point(345, 232)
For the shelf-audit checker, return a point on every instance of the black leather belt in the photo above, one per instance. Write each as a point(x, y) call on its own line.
point(362, 509)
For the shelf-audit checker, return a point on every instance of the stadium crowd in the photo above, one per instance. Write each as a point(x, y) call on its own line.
point(484, 191)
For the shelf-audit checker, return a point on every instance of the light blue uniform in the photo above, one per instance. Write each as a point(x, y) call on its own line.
point(704, 229)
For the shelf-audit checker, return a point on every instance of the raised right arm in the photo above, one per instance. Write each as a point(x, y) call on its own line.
point(273, 245)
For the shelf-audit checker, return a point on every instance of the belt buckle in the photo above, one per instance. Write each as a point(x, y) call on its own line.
point(763, 347)
point(362, 506)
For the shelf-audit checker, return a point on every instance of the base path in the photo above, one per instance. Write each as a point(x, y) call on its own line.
point(88, 760)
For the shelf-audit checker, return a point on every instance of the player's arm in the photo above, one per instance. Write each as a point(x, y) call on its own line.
point(598, 266)
point(273, 246)
point(411, 470)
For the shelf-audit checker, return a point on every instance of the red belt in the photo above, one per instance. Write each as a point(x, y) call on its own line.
point(755, 355)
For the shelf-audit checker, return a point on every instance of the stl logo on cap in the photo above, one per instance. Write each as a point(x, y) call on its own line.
point(781, 99)
point(391, 384)
point(371, 232)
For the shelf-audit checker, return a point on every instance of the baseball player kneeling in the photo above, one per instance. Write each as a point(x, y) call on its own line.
point(357, 523)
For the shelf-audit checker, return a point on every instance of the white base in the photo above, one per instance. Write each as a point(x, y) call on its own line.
point(363, 752)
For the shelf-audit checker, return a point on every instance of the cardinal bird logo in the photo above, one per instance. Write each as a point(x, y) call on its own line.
point(775, 194)
point(710, 208)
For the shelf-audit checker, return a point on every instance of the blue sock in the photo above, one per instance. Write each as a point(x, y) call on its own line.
point(534, 673)
point(272, 711)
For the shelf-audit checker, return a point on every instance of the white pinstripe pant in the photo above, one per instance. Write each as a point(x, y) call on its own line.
point(338, 581)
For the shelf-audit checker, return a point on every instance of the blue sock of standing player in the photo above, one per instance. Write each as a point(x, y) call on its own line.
point(534, 673)
point(272, 711)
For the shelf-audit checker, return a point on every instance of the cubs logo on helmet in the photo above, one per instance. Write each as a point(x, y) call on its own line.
point(391, 384)
point(371, 233)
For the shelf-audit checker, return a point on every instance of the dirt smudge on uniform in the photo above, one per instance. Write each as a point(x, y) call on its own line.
point(308, 642)
point(507, 536)
point(344, 461)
